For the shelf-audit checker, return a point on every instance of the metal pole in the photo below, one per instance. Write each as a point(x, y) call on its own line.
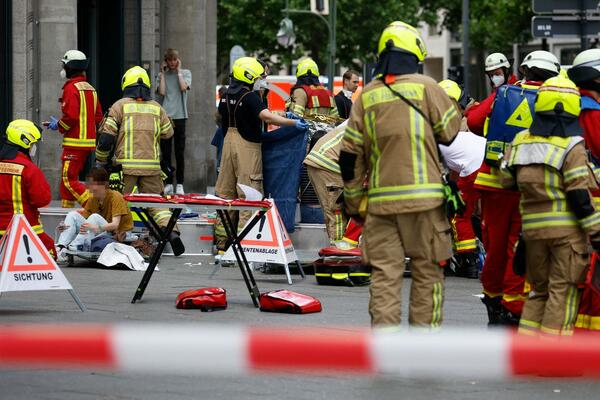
point(466, 55)
point(332, 44)
point(583, 19)
point(331, 34)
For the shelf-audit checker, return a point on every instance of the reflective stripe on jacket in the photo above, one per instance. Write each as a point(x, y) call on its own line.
point(546, 169)
point(326, 152)
point(23, 189)
point(397, 147)
point(138, 127)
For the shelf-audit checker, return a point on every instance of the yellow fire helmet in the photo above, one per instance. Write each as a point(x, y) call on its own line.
point(247, 69)
point(403, 37)
point(23, 133)
point(134, 76)
point(451, 88)
point(305, 66)
point(558, 94)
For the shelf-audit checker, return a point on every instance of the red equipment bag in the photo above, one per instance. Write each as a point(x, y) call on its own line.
point(205, 299)
point(286, 301)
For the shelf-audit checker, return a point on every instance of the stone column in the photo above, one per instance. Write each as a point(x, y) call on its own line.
point(190, 26)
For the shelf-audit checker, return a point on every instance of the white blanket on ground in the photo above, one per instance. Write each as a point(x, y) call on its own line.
point(119, 253)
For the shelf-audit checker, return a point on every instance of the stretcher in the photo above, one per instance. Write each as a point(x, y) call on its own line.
point(346, 268)
point(341, 268)
point(139, 204)
point(89, 256)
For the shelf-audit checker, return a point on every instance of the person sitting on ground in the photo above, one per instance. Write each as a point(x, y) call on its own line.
point(92, 220)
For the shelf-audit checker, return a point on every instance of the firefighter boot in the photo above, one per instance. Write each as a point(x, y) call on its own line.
point(468, 265)
point(494, 308)
point(176, 244)
point(508, 318)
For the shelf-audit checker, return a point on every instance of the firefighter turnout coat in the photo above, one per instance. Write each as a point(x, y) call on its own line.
point(138, 127)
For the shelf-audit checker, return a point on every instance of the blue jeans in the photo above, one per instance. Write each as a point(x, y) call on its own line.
point(311, 215)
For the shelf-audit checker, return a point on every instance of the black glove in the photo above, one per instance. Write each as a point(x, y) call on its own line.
point(595, 240)
point(519, 260)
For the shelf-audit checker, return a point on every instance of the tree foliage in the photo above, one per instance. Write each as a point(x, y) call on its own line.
point(493, 25)
point(253, 24)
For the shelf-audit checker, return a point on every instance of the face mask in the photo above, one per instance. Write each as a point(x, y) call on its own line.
point(32, 150)
point(260, 84)
point(497, 80)
point(63, 74)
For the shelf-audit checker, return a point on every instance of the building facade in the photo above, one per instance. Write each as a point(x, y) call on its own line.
point(115, 35)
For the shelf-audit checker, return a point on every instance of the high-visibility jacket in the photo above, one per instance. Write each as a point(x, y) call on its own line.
point(23, 189)
point(326, 152)
point(81, 113)
point(546, 169)
point(396, 146)
point(138, 127)
point(488, 177)
point(311, 100)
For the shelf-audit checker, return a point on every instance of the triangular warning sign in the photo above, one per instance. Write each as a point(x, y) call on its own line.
point(26, 264)
point(521, 117)
point(267, 242)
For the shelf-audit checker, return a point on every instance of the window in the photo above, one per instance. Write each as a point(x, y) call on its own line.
point(568, 55)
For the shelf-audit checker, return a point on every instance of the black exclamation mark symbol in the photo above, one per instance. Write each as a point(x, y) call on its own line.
point(261, 224)
point(26, 241)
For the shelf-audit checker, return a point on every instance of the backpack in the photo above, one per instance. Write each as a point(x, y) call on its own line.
point(512, 112)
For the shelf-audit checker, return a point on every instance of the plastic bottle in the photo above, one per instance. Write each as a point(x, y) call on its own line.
point(87, 242)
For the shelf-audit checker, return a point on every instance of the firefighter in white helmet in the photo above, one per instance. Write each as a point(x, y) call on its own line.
point(81, 113)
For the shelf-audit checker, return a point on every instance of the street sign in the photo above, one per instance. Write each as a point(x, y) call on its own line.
point(545, 27)
point(319, 7)
point(563, 6)
point(236, 52)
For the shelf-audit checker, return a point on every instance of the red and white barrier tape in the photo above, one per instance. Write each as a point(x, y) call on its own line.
point(211, 350)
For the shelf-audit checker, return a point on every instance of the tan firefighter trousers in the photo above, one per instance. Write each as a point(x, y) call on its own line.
point(241, 162)
point(555, 269)
point(425, 238)
point(328, 187)
point(149, 184)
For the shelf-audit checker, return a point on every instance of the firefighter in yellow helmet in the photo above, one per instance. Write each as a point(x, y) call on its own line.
point(392, 136)
point(548, 163)
point(242, 113)
point(308, 97)
point(23, 186)
point(134, 127)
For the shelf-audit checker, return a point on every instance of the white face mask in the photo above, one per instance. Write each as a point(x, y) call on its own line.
point(32, 150)
point(497, 80)
point(260, 84)
point(63, 74)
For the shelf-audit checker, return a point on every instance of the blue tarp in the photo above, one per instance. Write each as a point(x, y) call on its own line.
point(283, 151)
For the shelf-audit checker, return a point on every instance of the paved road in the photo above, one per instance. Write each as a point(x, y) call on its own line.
point(108, 293)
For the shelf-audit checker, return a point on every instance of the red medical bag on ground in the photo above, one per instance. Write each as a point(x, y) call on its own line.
point(205, 299)
point(286, 301)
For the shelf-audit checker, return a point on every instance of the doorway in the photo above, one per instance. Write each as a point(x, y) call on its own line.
point(109, 33)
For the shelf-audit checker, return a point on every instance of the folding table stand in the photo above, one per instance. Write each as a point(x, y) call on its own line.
point(162, 236)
